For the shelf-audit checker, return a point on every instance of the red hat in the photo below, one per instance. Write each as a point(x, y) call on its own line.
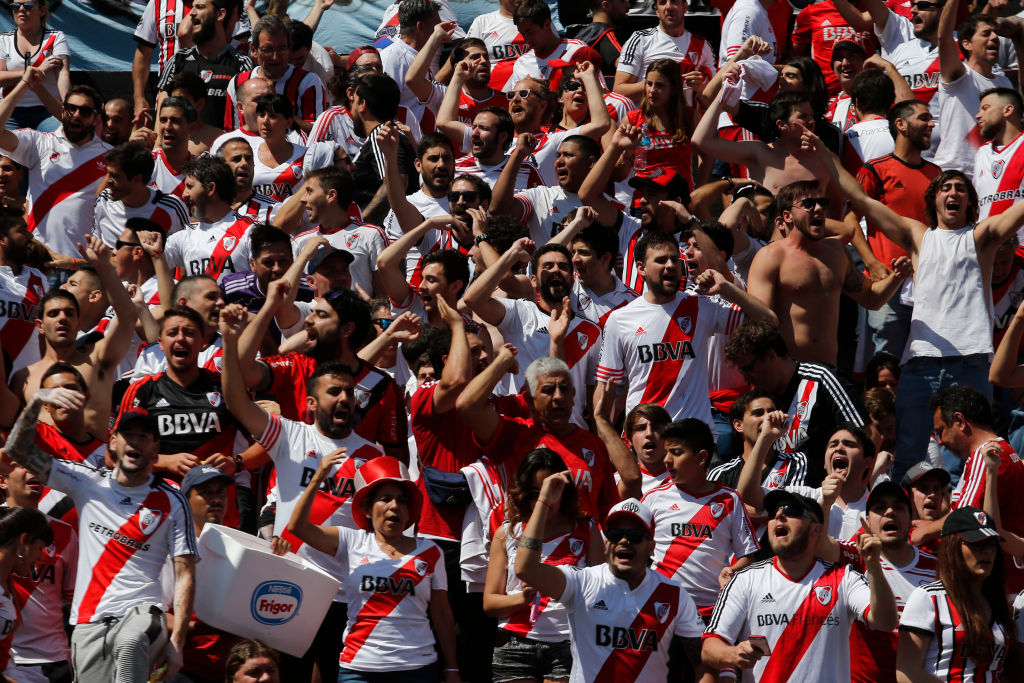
point(583, 54)
point(382, 469)
point(359, 52)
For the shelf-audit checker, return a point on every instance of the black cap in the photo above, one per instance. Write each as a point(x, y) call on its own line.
point(970, 524)
point(921, 469)
point(139, 417)
point(776, 498)
point(889, 488)
point(202, 474)
point(322, 255)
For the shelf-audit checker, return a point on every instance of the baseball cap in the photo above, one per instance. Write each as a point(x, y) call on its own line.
point(631, 507)
point(970, 524)
point(666, 179)
point(323, 253)
point(359, 52)
point(200, 475)
point(139, 417)
point(922, 468)
point(848, 45)
point(583, 54)
point(377, 471)
point(889, 488)
point(777, 498)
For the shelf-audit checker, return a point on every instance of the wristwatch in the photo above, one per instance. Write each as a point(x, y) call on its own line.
point(481, 238)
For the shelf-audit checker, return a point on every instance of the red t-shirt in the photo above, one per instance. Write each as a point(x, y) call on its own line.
point(664, 152)
point(821, 26)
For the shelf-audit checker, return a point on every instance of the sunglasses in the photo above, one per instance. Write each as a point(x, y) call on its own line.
point(573, 86)
point(120, 244)
point(27, 6)
point(631, 535)
point(793, 510)
point(924, 5)
point(522, 94)
point(84, 111)
point(383, 323)
point(808, 203)
point(467, 196)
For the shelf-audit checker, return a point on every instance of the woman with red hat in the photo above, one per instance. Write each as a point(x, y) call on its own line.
point(396, 583)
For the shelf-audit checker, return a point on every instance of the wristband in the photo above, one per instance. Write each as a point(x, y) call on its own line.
point(239, 463)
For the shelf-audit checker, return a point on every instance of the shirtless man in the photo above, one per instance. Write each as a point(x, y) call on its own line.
point(58, 323)
point(773, 164)
point(801, 277)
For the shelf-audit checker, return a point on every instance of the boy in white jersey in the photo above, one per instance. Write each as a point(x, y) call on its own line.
point(132, 522)
point(789, 618)
point(622, 615)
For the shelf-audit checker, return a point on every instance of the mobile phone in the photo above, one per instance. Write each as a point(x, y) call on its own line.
point(760, 643)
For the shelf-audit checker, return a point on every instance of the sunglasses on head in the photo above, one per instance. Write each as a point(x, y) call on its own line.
point(808, 203)
point(631, 535)
point(120, 244)
point(466, 196)
point(83, 110)
point(794, 510)
point(27, 6)
point(383, 323)
point(523, 94)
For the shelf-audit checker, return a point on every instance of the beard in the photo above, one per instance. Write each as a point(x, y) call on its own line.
point(659, 288)
point(553, 289)
point(796, 547)
point(326, 348)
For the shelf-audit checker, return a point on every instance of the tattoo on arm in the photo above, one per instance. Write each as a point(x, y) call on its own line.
point(530, 543)
point(21, 444)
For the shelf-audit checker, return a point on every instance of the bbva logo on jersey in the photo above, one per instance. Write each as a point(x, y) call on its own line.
point(823, 594)
point(149, 520)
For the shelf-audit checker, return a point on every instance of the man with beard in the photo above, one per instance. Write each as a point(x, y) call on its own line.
point(120, 627)
point(490, 133)
point(998, 171)
point(249, 93)
point(802, 276)
point(238, 154)
point(899, 180)
point(657, 346)
point(117, 121)
point(64, 168)
point(217, 241)
point(271, 47)
point(127, 195)
point(175, 119)
point(801, 608)
point(326, 196)
point(296, 449)
point(210, 56)
point(21, 288)
point(545, 325)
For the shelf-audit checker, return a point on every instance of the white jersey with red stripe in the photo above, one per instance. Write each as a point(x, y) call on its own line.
point(389, 20)
point(41, 637)
point(841, 112)
point(691, 52)
point(19, 296)
point(630, 233)
point(530, 65)
point(51, 44)
point(544, 208)
point(297, 449)
point(620, 634)
point(619, 106)
point(864, 141)
point(999, 176)
point(296, 137)
point(428, 207)
point(282, 181)
point(744, 19)
point(958, 104)
point(212, 249)
point(165, 178)
point(550, 623)
point(127, 535)
point(660, 351)
point(807, 621)
point(528, 175)
point(111, 215)
point(259, 207)
point(544, 154)
point(930, 613)
point(396, 58)
point(336, 125)
point(364, 241)
point(302, 88)
point(503, 40)
point(388, 628)
point(158, 28)
point(63, 179)
point(695, 537)
point(843, 521)
point(597, 307)
point(525, 326)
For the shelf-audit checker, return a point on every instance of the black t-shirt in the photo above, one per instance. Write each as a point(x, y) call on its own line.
point(215, 73)
point(368, 172)
point(601, 37)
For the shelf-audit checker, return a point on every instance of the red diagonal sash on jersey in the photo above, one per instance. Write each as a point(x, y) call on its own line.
point(87, 173)
point(665, 374)
point(683, 546)
point(116, 553)
point(1011, 179)
point(227, 244)
point(803, 627)
point(325, 504)
point(625, 664)
point(579, 340)
point(957, 662)
point(380, 605)
point(777, 474)
point(798, 414)
point(561, 554)
point(41, 57)
point(291, 176)
point(19, 332)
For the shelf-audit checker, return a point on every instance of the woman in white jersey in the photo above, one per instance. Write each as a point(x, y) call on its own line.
point(533, 631)
point(32, 44)
point(396, 584)
point(959, 628)
point(280, 166)
point(24, 532)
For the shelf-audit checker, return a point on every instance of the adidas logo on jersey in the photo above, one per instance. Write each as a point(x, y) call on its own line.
point(125, 501)
point(162, 403)
point(639, 331)
point(767, 598)
point(674, 507)
point(600, 605)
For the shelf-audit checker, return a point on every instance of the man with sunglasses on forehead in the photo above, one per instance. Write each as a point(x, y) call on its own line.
point(65, 168)
point(802, 276)
point(789, 617)
point(623, 616)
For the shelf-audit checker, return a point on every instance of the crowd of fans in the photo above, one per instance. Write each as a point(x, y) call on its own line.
point(571, 352)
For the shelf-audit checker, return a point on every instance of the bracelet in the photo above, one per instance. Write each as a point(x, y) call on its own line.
point(239, 463)
point(530, 543)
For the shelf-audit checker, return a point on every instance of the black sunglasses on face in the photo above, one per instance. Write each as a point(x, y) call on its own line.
point(27, 6)
point(631, 535)
point(467, 196)
point(793, 510)
point(924, 5)
point(808, 203)
point(573, 86)
point(120, 244)
point(82, 110)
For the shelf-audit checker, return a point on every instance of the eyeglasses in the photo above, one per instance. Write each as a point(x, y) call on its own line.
point(27, 6)
point(794, 510)
point(808, 203)
point(924, 5)
point(266, 50)
point(467, 196)
point(383, 323)
point(573, 86)
point(82, 110)
point(522, 94)
point(631, 535)
point(121, 244)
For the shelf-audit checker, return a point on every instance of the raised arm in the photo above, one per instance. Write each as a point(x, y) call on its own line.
point(407, 215)
point(883, 615)
point(995, 230)
point(1012, 543)
point(21, 444)
point(622, 458)
point(316, 12)
point(322, 538)
point(600, 121)
point(448, 112)
point(950, 65)
point(458, 367)
point(479, 296)
point(110, 350)
point(583, 218)
point(591, 191)
point(482, 419)
point(705, 139)
point(288, 315)
point(873, 294)
point(877, 13)
point(749, 485)
point(712, 282)
point(546, 578)
point(236, 396)
point(390, 262)
point(140, 77)
point(417, 78)
point(1004, 371)
point(503, 201)
point(753, 45)
point(29, 79)
point(154, 243)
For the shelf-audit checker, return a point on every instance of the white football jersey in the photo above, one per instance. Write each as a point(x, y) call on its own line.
point(530, 65)
point(528, 175)
point(363, 241)
point(19, 296)
point(282, 181)
point(167, 211)
point(336, 125)
point(212, 249)
point(958, 104)
point(597, 307)
point(744, 19)
point(691, 52)
point(544, 209)
point(167, 179)
point(998, 177)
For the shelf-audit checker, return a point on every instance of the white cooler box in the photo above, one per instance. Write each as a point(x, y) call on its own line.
point(243, 588)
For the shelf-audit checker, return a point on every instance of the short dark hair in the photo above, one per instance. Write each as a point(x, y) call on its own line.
point(872, 92)
point(18, 520)
point(186, 312)
point(380, 92)
point(9, 217)
point(503, 231)
point(300, 35)
point(411, 12)
point(866, 444)
point(1008, 96)
point(351, 309)
point(788, 193)
point(132, 158)
point(720, 235)
point(460, 48)
point(600, 239)
point(532, 10)
point(739, 406)
point(431, 140)
point(483, 190)
point(962, 399)
point(229, 7)
point(213, 170)
point(652, 412)
point(62, 368)
point(243, 652)
point(56, 293)
point(275, 103)
point(454, 264)
point(429, 349)
point(190, 82)
point(589, 146)
point(693, 433)
point(504, 121)
point(183, 289)
point(271, 25)
point(879, 402)
point(333, 367)
point(755, 338)
point(782, 105)
point(653, 239)
point(263, 236)
point(903, 110)
point(548, 249)
point(878, 362)
point(333, 178)
point(966, 30)
point(933, 190)
point(90, 92)
point(180, 103)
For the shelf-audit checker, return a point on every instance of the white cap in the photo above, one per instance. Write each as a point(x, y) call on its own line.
point(633, 508)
